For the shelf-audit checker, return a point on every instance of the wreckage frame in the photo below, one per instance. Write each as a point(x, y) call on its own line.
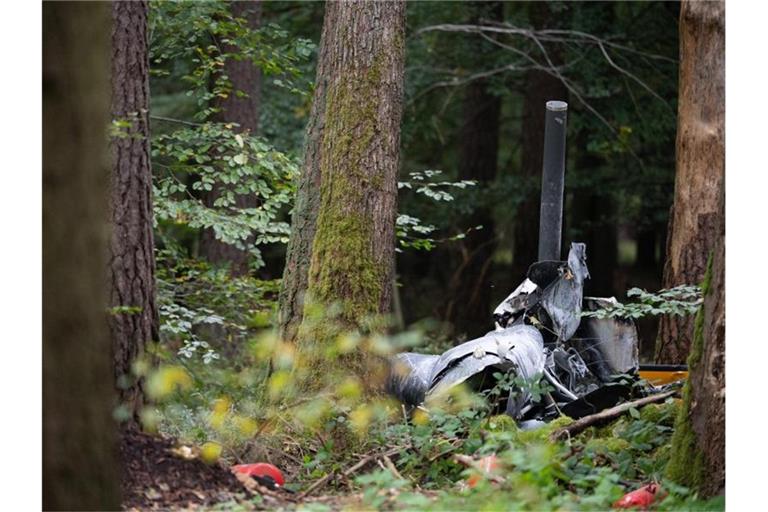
point(540, 335)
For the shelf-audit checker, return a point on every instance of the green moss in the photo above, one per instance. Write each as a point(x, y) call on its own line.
point(501, 423)
point(344, 269)
point(686, 461)
point(608, 445)
point(660, 414)
point(542, 434)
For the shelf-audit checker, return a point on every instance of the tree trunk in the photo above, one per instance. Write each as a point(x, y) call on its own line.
point(132, 259)
point(245, 77)
point(344, 218)
point(540, 87)
point(700, 163)
point(79, 450)
point(698, 445)
point(304, 218)
point(469, 308)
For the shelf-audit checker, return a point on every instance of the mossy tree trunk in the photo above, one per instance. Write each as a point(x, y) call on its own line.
point(343, 239)
point(698, 445)
point(700, 163)
point(304, 219)
point(245, 77)
point(80, 470)
point(132, 258)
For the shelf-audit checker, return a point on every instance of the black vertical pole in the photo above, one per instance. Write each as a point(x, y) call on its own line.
point(552, 181)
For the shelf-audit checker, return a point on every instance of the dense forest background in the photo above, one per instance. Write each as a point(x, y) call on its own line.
point(264, 156)
point(473, 111)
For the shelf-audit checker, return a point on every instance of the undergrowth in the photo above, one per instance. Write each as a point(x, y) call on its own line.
point(245, 406)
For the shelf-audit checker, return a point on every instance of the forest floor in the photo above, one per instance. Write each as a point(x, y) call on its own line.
point(423, 466)
point(158, 477)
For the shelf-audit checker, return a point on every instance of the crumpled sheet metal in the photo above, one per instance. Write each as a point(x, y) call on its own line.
point(580, 357)
point(416, 377)
point(519, 348)
point(562, 299)
point(410, 376)
point(557, 286)
point(616, 338)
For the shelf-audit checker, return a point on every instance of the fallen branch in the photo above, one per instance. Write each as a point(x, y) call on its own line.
point(391, 466)
point(608, 414)
point(346, 473)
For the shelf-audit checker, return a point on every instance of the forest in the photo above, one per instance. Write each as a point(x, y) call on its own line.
point(383, 255)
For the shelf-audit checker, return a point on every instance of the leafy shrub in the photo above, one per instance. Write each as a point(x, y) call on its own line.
point(680, 300)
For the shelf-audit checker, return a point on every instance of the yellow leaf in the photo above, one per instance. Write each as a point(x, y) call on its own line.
point(210, 452)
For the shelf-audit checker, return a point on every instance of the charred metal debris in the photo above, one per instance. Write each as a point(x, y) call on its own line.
point(589, 364)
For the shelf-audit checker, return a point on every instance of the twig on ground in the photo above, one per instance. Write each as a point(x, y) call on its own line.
point(608, 414)
point(391, 466)
point(362, 462)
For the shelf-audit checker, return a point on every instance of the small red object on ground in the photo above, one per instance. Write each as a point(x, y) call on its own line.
point(488, 465)
point(261, 471)
point(642, 497)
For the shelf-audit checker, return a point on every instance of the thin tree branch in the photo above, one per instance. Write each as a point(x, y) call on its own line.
point(171, 120)
point(608, 414)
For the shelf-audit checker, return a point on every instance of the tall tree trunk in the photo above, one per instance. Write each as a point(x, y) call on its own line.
point(304, 218)
point(700, 163)
point(348, 191)
point(243, 110)
point(698, 445)
point(79, 451)
point(132, 259)
point(540, 87)
point(469, 307)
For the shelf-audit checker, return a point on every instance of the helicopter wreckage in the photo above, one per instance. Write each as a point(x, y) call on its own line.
point(543, 330)
point(590, 363)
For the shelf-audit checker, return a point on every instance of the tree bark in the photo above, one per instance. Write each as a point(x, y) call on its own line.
point(304, 218)
point(540, 87)
point(79, 449)
point(700, 170)
point(132, 259)
point(708, 375)
point(698, 445)
point(243, 110)
point(344, 219)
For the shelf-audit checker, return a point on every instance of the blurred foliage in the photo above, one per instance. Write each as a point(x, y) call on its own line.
point(242, 412)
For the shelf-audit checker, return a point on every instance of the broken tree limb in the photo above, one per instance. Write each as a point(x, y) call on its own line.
point(608, 414)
